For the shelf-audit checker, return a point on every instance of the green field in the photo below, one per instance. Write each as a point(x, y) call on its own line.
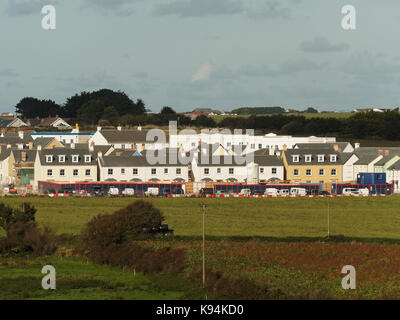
point(368, 218)
point(280, 242)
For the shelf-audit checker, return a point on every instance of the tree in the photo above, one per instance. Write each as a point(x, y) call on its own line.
point(91, 112)
point(111, 114)
point(31, 108)
point(167, 110)
point(204, 121)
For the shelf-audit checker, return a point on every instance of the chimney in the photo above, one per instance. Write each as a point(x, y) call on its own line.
point(356, 145)
point(139, 127)
point(0, 148)
point(8, 145)
point(386, 152)
point(380, 152)
point(119, 127)
point(98, 128)
point(91, 146)
point(21, 134)
point(271, 150)
point(73, 145)
point(118, 153)
point(20, 146)
point(99, 154)
point(284, 147)
point(39, 147)
point(30, 145)
point(23, 155)
point(335, 147)
point(143, 146)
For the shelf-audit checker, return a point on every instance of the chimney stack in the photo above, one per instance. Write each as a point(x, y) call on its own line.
point(98, 128)
point(99, 154)
point(91, 146)
point(30, 145)
point(119, 128)
point(139, 127)
point(23, 155)
point(21, 134)
point(8, 145)
point(20, 146)
point(356, 145)
point(73, 145)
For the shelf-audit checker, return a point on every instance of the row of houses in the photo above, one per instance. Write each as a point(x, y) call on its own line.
point(49, 122)
point(130, 156)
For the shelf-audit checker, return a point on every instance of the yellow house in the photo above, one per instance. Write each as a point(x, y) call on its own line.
point(313, 165)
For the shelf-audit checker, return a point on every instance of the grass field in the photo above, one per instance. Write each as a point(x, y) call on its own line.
point(280, 242)
point(368, 218)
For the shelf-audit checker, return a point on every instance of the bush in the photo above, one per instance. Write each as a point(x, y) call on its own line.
point(164, 260)
point(24, 213)
point(136, 221)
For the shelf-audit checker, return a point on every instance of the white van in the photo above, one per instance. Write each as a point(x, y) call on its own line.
point(298, 192)
point(283, 192)
point(128, 192)
point(363, 192)
point(350, 191)
point(152, 192)
point(271, 192)
point(245, 192)
point(113, 191)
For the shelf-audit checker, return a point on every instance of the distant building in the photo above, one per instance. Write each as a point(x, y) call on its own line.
point(206, 111)
point(12, 123)
point(55, 122)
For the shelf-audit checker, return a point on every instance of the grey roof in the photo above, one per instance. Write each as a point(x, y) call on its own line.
point(13, 138)
point(395, 166)
point(4, 154)
point(341, 157)
point(321, 146)
point(367, 154)
point(268, 161)
point(68, 153)
point(30, 155)
point(43, 141)
point(125, 136)
point(128, 159)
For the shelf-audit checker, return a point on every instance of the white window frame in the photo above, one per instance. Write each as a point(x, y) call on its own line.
point(296, 158)
point(110, 172)
point(135, 171)
point(274, 170)
point(309, 175)
point(77, 172)
point(178, 171)
point(296, 174)
point(333, 170)
point(75, 158)
point(49, 158)
point(333, 157)
point(166, 170)
point(62, 170)
point(321, 158)
point(123, 171)
point(231, 170)
point(49, 172)
point(88, 158)
point(86, 172)
point(308, 158)
point(323, 172)
point(153, 171)
point(206, 171)
point(61, 158)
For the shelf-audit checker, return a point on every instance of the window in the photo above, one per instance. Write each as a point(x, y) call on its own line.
point(273, 170)
point(261, 170)
point(295, 158)
point(62, 172)
point(206, 171)
point(166, 170)
point(110, 172)
point(75, 158)
point(61, 158)
point(218, 170)
point(259, 146)
point(87, 172)
point(333, 172)
point(75, 172)
point(135, 171)
point(308, 158)
point(49, 158)
point(49, 172)
point(321, 158)
point(123, 171)
point(153, 171)
point(252, 146)
point(333, 157)
point(308, 172)
point(88, 158)
point(178, 171)
point(321, 172)
point(228, 144)
point(296, 172)
point(231, 171)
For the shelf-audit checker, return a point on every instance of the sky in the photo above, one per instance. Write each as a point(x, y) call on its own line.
point(220, 54)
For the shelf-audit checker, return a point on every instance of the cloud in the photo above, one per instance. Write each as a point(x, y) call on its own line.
point(321, 44)
point(7, 72)
point(270, 10)
point(197, 8)
point(116, 7)
point(203, 73)
point(26, 7)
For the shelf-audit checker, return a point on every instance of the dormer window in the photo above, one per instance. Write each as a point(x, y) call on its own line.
point(333, 157)
point(61, 158)
point(308, 158)
point(75, 158)
point(88, 158)
point(321, 158)
point(49, 158)
point(296, 158)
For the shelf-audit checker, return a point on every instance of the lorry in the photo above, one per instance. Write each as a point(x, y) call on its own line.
point(271, 192)
point(245, 192)
point(129, 192)
point(113, 191)
point(298, 191)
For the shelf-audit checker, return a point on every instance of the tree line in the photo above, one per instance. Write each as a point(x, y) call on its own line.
point(369, 125)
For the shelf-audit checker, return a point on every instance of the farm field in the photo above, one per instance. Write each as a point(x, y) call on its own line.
point(279, 218)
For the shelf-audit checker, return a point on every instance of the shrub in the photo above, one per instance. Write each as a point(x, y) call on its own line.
point(164, 260)
point(8, 216)
point(133, 222)
point(43, 242)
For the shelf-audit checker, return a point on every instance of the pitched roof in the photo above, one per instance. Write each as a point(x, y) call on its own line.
point(125, 136)
point(321, 146)
point(30, 155)
point(341, 157)
point(68, 153)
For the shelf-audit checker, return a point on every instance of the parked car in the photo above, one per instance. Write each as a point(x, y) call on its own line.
point(350, 191)
point(50, 191)
point(298, 191)
point(97, 191)
point(283, 192)
point(128, 192)
point(68, 191)
point(271, 192)
point(113, 191)
point(245, 192)
point(324, 193)
point(152, 192)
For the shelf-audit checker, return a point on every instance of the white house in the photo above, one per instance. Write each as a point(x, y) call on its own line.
point(65, 165)
point(133, 166)
point(6, 161)
point(128, 139)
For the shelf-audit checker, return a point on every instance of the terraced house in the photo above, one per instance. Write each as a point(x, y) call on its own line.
point(322, 166)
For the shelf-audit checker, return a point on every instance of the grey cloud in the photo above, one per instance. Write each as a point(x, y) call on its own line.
point(116, 7)
point(197, 8)
point(321, 44)
point(26, 7)
point(270, 10)
point(7, 72)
